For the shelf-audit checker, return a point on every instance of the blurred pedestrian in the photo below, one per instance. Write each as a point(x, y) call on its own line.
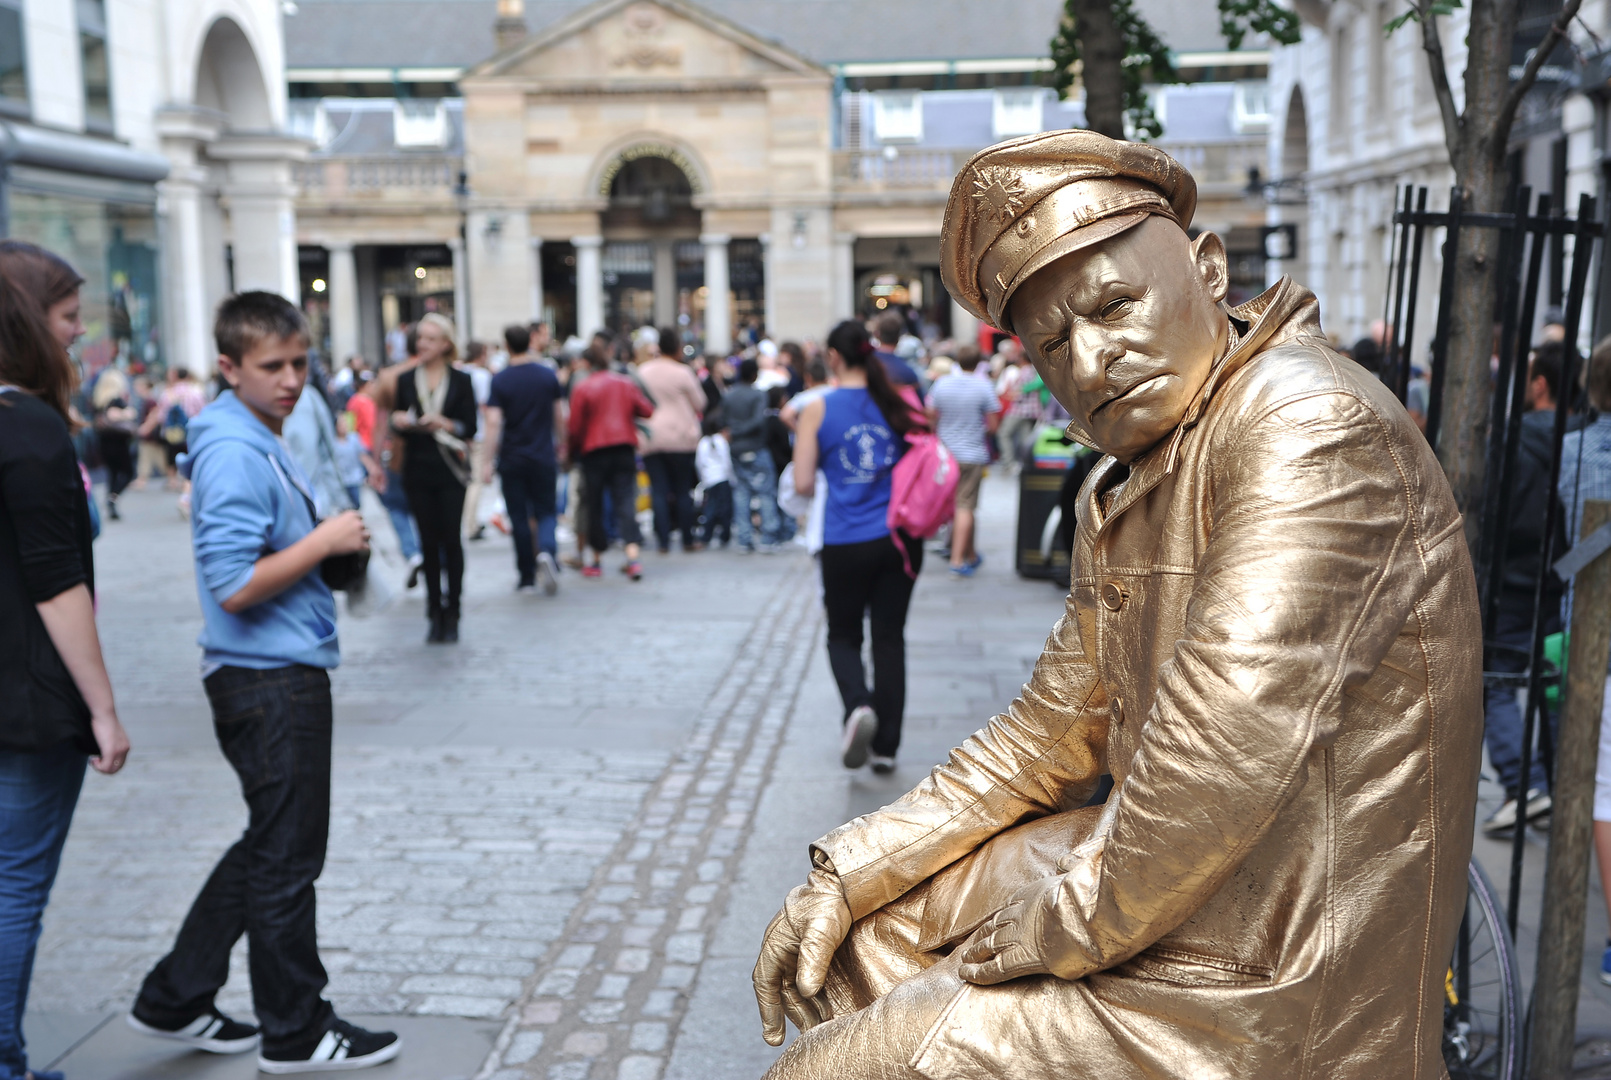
point(149, 459)
point(755, 479)
point(816, 385)
point(671, 438)
point(475, 365)
point(387, 447)
point(855, 436)
point(888, 328)
point(1509, 640)
point(603, 436)
point(436, 415)
point(115, 423)
point(1586, 474)
point(525, 429)
point(1020, 409)
point(169, 420)
point(57, 710)
point(964, 412)
point(714, 460)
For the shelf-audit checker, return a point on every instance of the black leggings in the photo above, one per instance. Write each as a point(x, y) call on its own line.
point(613, 469)
point(118, 457)
point(868, 579)
point(437, 510)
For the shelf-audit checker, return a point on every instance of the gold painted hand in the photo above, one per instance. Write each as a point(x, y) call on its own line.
point(795, 953)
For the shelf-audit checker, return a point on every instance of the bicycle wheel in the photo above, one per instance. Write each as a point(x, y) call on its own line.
point(1482, 992)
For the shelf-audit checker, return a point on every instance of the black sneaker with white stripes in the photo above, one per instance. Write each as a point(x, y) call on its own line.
point(340, 1046)
point(212, 1031)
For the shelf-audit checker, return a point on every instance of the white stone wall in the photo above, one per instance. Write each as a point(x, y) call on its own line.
point(190, 79)
point(1372, 127)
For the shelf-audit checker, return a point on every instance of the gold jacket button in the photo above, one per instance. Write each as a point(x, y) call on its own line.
point(1116, 709)
point(1114, 595)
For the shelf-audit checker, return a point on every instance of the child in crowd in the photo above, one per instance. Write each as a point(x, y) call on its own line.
point(352, 459)
point(714, 461)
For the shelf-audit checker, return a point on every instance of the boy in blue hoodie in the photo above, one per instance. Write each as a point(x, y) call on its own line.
point(268, 641)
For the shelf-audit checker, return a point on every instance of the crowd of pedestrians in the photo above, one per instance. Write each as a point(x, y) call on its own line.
point(273, 460)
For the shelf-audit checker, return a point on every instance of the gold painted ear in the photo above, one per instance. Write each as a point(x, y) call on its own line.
point(1208, 252)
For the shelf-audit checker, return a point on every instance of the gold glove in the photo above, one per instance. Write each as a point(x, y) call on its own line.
point(795, 953)
point(1012, 943)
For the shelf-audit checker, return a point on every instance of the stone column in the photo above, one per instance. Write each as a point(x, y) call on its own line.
point(718, 294)
point(768, 283)
point(262, 214)
point(843, 302)
point(461, 293)
point(589, 284)
point(188, 307)
point(665, 283)
point(343, 292)
point(538, 303)
point(964, 327)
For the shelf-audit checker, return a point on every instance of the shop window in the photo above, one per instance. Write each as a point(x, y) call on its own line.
point(1250, 108)
point(417, 123)
point(308, 118)
point(898, 116)
point(114, 245)
point(93, 63)
point(1018, 112)
point(13, 60)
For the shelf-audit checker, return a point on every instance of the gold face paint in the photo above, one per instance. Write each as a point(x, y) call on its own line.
point(1125, 332)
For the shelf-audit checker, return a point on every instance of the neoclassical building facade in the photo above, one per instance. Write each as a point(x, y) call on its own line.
point(719, 165)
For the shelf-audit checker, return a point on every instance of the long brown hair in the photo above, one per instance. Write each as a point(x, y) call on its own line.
point(849, 339)
point(32, 280)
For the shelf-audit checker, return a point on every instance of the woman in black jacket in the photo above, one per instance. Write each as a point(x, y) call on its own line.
point(436, 417)
point(56, 708)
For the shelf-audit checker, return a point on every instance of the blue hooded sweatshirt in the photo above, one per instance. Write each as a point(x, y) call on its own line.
point(248, 499)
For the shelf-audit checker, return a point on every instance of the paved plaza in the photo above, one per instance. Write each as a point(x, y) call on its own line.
point(554, 848)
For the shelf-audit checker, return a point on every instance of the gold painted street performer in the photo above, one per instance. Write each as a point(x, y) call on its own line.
point(1271, 643)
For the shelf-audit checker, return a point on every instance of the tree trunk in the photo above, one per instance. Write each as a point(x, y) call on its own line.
point(1477, 152)
point(1468, 384)
point(1101, 61)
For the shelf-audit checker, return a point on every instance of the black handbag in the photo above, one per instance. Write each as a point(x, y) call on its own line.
point(345, 573)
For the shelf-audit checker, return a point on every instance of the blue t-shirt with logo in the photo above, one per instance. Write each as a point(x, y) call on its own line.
point(857, 452)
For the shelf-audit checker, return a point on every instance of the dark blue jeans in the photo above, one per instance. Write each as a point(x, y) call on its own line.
point(671, 493)
point(528, 495)
point(396, 503)
point(1502, 730)
point(37, 795)
point(716, 516)
point(274, 727)
point(754, 478)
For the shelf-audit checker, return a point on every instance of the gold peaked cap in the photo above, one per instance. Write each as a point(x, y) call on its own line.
point(1018, 205)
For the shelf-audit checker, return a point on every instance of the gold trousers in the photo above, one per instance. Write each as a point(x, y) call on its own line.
point(895, 976)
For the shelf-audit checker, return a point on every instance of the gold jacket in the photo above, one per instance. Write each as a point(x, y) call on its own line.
point(1272, 643)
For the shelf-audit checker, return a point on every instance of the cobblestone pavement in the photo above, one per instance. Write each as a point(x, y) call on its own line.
point(479, 794)
point(553, 849)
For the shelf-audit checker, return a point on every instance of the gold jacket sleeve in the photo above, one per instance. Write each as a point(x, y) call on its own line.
point(1311, 568)
point(1044, 754)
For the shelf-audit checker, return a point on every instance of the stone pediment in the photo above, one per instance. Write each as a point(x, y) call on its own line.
point(623, 42)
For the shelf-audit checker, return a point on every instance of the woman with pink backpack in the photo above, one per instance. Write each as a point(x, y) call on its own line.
point(871, 555)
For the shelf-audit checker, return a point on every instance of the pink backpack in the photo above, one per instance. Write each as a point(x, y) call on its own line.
point(922, 492)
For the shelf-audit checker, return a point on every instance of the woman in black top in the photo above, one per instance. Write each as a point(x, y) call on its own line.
point(436, 417)
point(56, 708)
